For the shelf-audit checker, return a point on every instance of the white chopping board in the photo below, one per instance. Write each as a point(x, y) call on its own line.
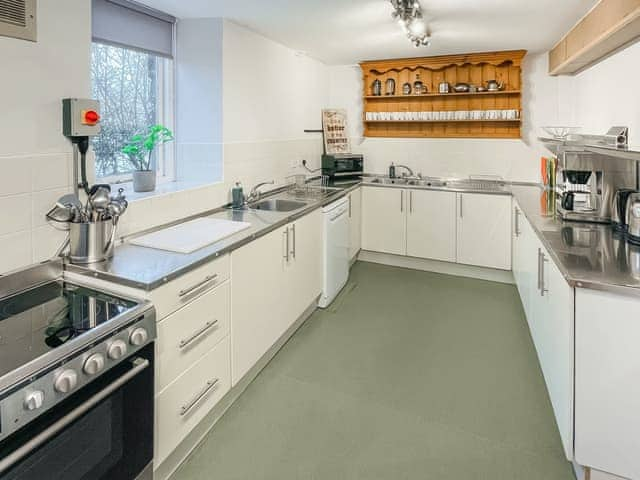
point(191, 236)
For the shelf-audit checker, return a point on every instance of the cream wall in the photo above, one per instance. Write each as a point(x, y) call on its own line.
point(35, 159)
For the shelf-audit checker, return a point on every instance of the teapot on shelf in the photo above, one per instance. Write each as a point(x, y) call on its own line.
point(494, 86)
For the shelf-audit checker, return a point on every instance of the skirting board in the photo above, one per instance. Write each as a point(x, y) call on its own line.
point(188, 445)
point(490, 274)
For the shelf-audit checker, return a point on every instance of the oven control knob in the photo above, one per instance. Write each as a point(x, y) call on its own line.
point(93, 364)
point(34, 400)
point(117, 350)
point(66, 381)
point(138, 337)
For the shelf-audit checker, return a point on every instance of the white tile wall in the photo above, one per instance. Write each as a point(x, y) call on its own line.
point(29, 186)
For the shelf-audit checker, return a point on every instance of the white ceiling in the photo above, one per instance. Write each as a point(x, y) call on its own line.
point(348, 31)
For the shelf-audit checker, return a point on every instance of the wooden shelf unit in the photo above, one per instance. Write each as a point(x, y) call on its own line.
point(475, 69)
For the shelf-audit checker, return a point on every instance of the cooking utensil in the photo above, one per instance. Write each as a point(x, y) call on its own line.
point(494, 85)
point(461, 87)
point(406, 89)
point(443, 87)
point(91, 242)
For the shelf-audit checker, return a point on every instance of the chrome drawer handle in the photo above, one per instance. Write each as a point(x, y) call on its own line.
point(192, 338)
point(211, 384)
point(187, 291)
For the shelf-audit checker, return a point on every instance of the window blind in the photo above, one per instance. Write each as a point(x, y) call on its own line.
point(131, 24)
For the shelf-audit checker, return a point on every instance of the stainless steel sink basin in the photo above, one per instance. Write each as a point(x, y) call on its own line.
point(390, 181)
point(277, 205)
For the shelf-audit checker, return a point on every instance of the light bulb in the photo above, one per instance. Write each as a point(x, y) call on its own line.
point(418, 27)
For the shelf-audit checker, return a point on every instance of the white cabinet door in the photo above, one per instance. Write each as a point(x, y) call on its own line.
point(355, 222)
point(484, 230)
point(304, 272)
point(607, 421)
point(384, 219)
point(431, 225)
point(259, 299)
point(553, 315)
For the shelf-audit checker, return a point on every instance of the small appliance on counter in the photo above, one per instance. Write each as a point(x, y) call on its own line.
point(633, 218)
point(619, 209)
point(586, 185)
point(344, 165)
point(76, 380)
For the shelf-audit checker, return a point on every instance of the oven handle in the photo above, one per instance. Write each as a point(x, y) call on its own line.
point(140, 364)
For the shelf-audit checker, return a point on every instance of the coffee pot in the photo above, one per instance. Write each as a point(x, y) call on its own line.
point(390, 88)
point(494, 86)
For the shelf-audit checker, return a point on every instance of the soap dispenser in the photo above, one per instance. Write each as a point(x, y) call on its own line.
point(392, 171)
point(237, 196)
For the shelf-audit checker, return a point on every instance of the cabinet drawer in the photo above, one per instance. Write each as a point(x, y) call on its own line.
point(184, 403)
point(172, 296)
point(186, 335)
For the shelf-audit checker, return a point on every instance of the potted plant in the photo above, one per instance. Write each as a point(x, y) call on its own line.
point(139, 151)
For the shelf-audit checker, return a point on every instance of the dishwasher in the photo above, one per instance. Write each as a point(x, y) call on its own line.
point(335, 250)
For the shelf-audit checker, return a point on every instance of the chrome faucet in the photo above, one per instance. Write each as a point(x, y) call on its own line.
point(254, 194)
point(407, 168)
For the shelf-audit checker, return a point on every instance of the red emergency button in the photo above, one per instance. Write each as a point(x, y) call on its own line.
point(90, 117)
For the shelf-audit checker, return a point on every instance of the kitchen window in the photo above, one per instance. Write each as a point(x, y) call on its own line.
point(132, 76)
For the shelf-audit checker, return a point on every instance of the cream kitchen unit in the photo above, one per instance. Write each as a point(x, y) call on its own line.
point(275, 279)
point(548, 302)
point(355, 222)
point(466, 228)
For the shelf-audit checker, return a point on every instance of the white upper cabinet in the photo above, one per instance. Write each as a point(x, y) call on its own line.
point(355, 222)
point(484, 230)
point(384, 220)
point(431, 225)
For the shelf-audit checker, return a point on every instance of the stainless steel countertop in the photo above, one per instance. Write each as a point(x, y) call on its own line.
point(588, 255)
point(485, 186)
point(147, 268)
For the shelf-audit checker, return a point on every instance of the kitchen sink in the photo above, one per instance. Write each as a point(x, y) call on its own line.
point(277, 205)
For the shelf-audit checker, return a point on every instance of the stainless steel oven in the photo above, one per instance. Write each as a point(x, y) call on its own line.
point(105, 431)
point(76, 385)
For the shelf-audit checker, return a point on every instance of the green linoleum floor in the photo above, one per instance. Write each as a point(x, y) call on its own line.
point(408, 375)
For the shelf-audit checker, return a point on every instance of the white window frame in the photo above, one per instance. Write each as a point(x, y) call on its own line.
point(166, 155)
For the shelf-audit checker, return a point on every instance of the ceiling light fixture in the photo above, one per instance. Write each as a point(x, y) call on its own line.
point(408, 14)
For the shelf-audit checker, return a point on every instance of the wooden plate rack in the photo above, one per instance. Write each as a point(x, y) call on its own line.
point(475, 69)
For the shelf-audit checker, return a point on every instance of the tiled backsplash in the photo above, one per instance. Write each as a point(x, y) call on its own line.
point(29, 185)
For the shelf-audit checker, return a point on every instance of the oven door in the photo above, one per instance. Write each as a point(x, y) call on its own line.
point(104, 431)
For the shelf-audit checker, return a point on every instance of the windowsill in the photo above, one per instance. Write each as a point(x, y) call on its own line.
point(162, 189)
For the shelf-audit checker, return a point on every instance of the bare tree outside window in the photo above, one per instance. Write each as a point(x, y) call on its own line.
point(126, 83)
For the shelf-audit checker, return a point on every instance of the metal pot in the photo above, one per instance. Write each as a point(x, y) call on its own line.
point(443, 87)
point(144, 181)
point(91, 242)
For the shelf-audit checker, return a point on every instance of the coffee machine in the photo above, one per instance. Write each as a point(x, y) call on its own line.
point(586, 183)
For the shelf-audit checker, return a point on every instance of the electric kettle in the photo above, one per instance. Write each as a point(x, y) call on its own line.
point(619, 208)
point(633, 218)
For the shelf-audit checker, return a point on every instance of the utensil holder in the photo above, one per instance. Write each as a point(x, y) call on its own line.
point(91, 242)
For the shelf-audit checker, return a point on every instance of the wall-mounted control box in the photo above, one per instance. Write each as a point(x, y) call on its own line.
point(80, 117)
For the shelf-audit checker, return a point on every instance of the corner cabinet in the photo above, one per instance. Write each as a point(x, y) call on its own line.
point(484, 230)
